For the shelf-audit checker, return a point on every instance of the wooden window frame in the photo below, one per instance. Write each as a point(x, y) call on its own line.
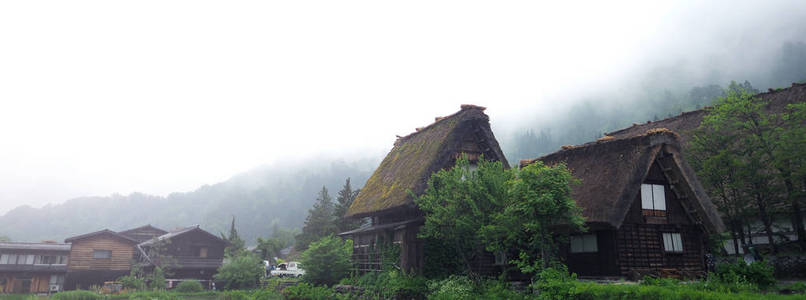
point(672, 240)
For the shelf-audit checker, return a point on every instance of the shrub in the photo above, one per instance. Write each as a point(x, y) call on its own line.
point(76, 295)
point(240, 272)
point(306, 291)
point(390, 284)
point(758, 273)
point(327, 260)
point(190, 286)
point(453, 287)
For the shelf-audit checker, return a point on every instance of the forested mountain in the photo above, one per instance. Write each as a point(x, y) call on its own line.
point(258, 199)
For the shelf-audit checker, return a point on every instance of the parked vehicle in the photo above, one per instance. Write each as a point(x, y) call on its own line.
point(288, 269)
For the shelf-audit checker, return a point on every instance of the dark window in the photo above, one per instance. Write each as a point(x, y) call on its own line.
point(585, 243)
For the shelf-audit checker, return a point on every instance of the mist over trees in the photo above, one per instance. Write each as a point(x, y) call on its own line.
point(659, 92)
point(264, 201)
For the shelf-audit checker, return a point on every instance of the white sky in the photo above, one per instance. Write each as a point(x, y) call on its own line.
point(98, 97)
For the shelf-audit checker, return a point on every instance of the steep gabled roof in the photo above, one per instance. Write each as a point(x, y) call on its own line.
point(684, 123)
point(415, 157)
point(612, 171)
point(100, 232)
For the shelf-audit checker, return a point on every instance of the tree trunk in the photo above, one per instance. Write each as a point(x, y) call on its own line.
point(797, 217)
point(735, 237)
point(765, 219)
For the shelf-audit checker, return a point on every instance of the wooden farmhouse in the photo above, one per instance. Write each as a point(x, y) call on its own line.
point(385, 199)
point(32, 267)
point(685, 123)
point(98, 257)
point(189, 253)
point(646, 212)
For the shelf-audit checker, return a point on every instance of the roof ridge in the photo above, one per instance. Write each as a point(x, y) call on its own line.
point(437, 120)
point(570, 148)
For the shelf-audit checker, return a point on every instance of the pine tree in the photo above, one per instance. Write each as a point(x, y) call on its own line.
point(236, 244)
point(343, 201)
point(320, 221)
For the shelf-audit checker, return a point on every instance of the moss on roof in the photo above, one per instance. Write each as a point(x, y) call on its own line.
point(415, 157)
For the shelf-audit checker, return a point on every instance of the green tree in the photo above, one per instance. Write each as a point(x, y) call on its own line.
point(539, 202)
point(495, 209)
point(4, 238)
point(235, 244)
point(343, 201)
point(327, 260)
point(270, 248)
point(320, 221)
point(748, 155)
point(242, 271)
point(459, 202)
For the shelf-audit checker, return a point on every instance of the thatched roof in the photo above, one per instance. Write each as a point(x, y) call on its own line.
point(688, 121)
point(612, 170)
point(418, 155)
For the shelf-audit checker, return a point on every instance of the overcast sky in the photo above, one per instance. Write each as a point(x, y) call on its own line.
point(98, 97)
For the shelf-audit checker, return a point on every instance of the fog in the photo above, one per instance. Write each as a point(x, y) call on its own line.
point(100, 97)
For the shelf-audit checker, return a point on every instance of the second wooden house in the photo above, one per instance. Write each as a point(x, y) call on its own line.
point(645, 209)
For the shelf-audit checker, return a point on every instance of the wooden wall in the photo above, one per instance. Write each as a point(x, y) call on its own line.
point(81, 254)
point(640, 245)
point(40, 283)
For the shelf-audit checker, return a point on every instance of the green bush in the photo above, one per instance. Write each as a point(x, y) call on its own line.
point(240, 272)
point(327, 260)
point(390, 284)
point(306, 291)
point(190, 286)
point(453, 287)
point(76, 295)
point(758, 273)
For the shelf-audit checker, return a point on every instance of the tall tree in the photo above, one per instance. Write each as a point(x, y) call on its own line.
point(343, 201)
point(753, 155)
point(320, 221)
point(235, 243)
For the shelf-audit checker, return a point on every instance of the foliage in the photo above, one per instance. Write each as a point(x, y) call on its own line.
point(539, 201)
point(496, 209)
point(4, 238)
point(235, 245)
point(591, 291)
point(344, 199)
point(141, 280)
point(189, 286)
point(76, 295)
point(240, 272)
point(453, 287)
point(308, 291)
point(156, 280)
point(270, 248)
point(758, 273)
point(747, 156)
point(320, 221)
point(458, 203)
point(327, 260)
point(391, 284)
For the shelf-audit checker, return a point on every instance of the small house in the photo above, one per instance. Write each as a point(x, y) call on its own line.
point(386, 199)
point(645, 210)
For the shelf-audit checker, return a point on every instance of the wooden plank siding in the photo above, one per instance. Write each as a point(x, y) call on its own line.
point(81, 254)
